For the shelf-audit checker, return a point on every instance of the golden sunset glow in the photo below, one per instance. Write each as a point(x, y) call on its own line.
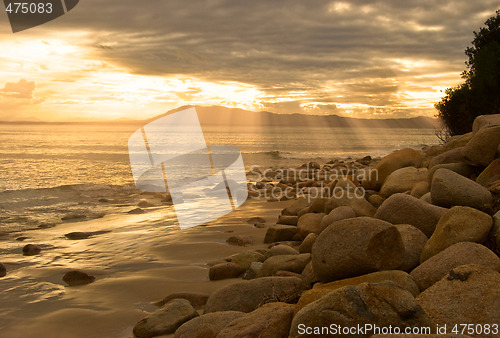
point(68, 71)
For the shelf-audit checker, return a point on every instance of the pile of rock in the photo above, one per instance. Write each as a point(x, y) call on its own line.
point(420, 249)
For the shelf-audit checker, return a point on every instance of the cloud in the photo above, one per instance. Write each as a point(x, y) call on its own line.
point(22, 89)
point(354, 57)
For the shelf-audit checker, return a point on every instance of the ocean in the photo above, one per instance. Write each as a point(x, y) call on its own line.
point(34, 156)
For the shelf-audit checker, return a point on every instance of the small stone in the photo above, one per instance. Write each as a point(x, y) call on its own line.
point(449, 189)
point(31, 250)
point(225, 271)
point(309, 223)
point(307, 243)
point(337, 214)
point(239, 240)
point(73, 217)
point(254, 220)
point(3, 270)
point(75, 278)
point(196, 299)
point(459, 224)
point(145, 204)
point(22, 238)
point(294, 263)
point(166, 319)
point(136, 211)
point(287, 220)
point(103, 200)
point(278, 233)
point(244, 259)
point(433, 269)
point(269, 320)
point(295, 207)
point(283, 250)
point(376, 200)
point(208, 325)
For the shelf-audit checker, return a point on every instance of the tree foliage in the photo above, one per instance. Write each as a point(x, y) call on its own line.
point(480, 93)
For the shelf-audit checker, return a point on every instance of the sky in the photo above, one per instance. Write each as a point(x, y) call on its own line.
point(138, 59)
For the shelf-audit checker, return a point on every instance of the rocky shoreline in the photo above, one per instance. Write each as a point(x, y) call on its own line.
point(418, 249)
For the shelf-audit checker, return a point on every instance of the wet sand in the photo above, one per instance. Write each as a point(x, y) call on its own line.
point(141, 260)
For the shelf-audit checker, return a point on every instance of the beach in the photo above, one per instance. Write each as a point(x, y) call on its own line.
point(132, 254)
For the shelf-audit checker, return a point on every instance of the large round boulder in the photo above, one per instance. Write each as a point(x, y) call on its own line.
point(402, 180)
point(449, 189)
point(459, 224)
point(356, 246)
point(406, 209)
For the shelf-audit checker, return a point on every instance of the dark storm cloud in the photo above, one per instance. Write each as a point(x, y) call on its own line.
point(285, 46)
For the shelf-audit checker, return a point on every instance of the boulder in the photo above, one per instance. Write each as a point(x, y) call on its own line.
point(294, 263)
point(459, 224)
point(244, 259)
point(31, 250)
point(450, 156)
point(208, 325)
point(287, 220)
point(75, 278)
point(433, 269)
point(419, 189)
point(402, 180)
point(449, 189)
point(278, 233)
point(225, 271)
point(246, 296)
point(136, 211)
point(406, 209)
point(196, 299)
point(239, 240)
point(307, 243)
point(337, 214)
point(414, 241)
point(309, 223)
point(295, 207)
point(269, 320)
point(283, 249)
point(402, 279)
point(483, 146)
point(399, 159)
point(356, 200)
point(466, 294)
point(253, 270)
point(483, 121)
point(490, 174)
point(318, 205)
point(463, 169)
point(145, 204)
point(381, 304)
point(165, 320)
point(376, 200)
point(3, 270)
point(356, 246)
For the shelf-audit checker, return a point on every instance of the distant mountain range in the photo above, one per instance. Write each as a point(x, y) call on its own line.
point(223, 116)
